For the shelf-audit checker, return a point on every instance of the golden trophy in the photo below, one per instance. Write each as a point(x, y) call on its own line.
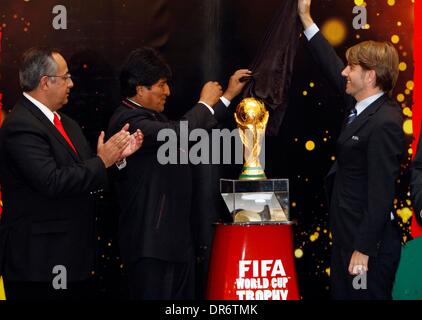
point(251, 118)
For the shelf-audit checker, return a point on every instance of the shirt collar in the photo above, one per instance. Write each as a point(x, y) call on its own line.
point(135, 103)
point(363, 104)
point(43, 108)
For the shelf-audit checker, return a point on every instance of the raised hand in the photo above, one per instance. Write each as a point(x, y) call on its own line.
point(210, 93)
point(304, 12)
point(235, 86)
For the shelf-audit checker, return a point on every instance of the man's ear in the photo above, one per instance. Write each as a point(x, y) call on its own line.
point(372, 77)
point(140, 90)
point(44, 84)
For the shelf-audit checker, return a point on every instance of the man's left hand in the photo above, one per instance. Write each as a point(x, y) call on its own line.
point(358, 263)
point(135, 143)
point(235, 86)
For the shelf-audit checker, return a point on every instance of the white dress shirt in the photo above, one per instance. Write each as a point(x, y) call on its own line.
point(43, 108)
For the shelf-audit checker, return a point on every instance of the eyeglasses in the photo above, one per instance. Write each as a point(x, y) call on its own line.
point(65, 77)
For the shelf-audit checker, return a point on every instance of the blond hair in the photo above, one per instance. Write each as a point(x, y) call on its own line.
point(381, 57)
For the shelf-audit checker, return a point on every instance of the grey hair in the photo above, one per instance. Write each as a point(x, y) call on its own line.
point(36, 63)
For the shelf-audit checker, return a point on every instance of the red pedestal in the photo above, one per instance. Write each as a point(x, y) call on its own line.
point(252, 262)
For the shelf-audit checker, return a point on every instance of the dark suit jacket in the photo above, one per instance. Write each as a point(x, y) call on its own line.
point(361, 183)
point(416, 181)
point(155, 199)
point(48, 216)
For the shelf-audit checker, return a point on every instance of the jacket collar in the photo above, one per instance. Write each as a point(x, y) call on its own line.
point(134, 106)
point(52, 129)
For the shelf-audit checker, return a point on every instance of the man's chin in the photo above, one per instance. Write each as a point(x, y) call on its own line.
point(62, 104)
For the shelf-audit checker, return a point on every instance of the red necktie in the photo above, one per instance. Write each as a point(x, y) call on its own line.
point(59, 127)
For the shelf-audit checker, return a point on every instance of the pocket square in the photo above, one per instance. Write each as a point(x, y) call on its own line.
point(356, 138)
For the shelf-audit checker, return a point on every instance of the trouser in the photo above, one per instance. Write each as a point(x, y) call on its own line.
point(25, 290)
point(377, 283)
point(155, 279)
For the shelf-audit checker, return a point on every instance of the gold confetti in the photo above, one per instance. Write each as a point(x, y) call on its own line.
point(402, 66)
point(408, 127)
point(298, 253)
point(310, 145)
point(405, 214)
point(335, 31)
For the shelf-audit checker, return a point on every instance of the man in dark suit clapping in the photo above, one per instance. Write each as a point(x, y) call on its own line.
point(50, 178)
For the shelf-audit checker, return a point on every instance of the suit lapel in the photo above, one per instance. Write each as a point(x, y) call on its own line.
point(361, 119)
point(50, 127)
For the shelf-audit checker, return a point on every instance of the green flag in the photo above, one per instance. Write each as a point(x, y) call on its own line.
point(408, 284)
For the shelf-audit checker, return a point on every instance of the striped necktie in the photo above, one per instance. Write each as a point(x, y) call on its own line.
point(352, 116)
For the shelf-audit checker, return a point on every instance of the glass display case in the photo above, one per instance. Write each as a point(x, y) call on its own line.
point(256, 200)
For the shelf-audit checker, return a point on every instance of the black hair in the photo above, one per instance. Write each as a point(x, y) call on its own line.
point(143, 67)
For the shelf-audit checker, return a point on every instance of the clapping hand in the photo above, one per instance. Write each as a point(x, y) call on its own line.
point(135, 142)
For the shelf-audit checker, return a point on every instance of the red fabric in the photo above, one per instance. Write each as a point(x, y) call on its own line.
point(59, 127)
point(417, 93)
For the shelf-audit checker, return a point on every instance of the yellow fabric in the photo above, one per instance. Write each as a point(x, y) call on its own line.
point(2, 293)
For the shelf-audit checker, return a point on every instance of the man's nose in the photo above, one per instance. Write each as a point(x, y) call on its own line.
point(167, 90)
point(345, 72)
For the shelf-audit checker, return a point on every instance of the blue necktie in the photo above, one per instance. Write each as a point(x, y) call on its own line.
point(352, 116)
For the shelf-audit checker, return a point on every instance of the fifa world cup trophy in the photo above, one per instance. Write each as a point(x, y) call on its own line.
point(251, 118)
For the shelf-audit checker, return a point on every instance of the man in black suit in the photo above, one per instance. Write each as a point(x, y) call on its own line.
point(50, 178)
point(361, 183)
point(416, 181)
point(155, 199)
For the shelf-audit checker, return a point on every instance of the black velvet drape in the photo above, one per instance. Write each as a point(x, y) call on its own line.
point(273, 65)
